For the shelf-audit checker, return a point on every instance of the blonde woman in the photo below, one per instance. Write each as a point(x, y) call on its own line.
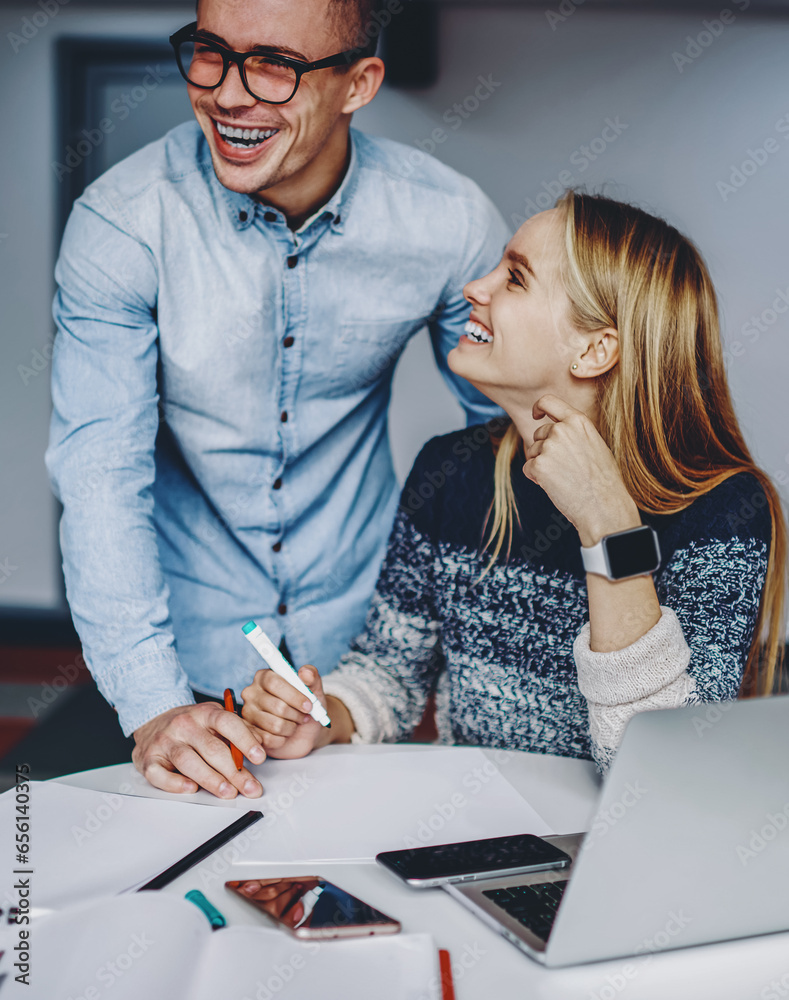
point(612, 548)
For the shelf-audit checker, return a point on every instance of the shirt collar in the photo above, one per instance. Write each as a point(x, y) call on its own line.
point(242, 207)
point(339, 204)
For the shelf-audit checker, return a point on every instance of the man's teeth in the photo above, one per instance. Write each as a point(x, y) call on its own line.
point(245, 137)
point(478, 333)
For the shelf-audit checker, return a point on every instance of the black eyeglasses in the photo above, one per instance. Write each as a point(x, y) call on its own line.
point(273, 79)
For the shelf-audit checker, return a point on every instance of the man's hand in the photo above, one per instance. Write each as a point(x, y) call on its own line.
point(183, 749)
point(281, 714)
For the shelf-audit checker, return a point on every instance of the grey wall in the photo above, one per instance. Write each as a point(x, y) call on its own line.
point(555, 83)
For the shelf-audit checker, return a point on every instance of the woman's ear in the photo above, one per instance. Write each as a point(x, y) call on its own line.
point(600, 356)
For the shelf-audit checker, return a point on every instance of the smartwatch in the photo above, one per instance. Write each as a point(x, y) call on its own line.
point(624, 555)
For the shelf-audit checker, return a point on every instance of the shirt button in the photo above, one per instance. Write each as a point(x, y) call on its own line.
point(242, 216)
point(277, 547)
point(270, 217)
point(292, 262)
point(282, 609)
point(283, 417)
point(277, 484)
point(289, 341)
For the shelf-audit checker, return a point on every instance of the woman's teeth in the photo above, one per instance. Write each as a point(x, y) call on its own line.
point(478, 334)
point(243, 138)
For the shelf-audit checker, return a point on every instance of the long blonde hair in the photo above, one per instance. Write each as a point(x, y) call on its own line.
point(665, 409)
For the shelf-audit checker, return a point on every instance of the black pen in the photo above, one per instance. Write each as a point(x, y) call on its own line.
point(203, 851)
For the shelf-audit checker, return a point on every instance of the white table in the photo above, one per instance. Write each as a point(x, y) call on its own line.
point(564, 792)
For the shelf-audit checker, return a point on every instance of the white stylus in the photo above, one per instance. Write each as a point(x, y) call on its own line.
point(280, 666)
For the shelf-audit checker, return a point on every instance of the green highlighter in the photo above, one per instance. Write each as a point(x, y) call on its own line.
point(215, 918)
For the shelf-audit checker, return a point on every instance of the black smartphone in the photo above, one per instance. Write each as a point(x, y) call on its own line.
point(424, 867)
point(309, 907)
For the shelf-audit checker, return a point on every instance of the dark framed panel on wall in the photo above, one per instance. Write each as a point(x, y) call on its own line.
point(113, 97)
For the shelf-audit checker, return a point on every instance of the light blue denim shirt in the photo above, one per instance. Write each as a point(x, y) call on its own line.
point(220, 388)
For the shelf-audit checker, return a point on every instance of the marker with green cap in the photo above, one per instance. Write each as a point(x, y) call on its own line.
point(280, 665)
point(215, 918)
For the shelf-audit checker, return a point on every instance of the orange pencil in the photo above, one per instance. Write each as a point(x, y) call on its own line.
point(447, 985)
point(230, 706)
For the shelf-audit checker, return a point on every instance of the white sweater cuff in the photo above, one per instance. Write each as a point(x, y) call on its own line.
point(369, 713)
point(638, 671)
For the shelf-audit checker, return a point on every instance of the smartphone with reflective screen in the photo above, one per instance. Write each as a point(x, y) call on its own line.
point(311, 908)
point(425, 867)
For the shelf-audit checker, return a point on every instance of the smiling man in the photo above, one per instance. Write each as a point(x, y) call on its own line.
point(231, 302)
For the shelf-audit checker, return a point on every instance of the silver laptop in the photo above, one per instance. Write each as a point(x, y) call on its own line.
point(690, 844)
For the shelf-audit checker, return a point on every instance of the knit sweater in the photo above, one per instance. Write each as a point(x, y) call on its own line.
point(508, 655)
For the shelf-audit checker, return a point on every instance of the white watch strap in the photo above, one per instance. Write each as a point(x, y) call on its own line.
point(594, 559)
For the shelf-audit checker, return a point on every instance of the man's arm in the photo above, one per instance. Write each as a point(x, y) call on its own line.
point(486, 239)
point(101, 465)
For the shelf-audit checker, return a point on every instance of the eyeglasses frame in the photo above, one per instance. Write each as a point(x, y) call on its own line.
point(189, 33)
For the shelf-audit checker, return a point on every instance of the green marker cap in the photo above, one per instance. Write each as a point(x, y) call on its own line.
point(249, 627)
point(215, 918)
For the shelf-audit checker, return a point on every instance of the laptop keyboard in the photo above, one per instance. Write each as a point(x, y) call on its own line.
point(534, 906)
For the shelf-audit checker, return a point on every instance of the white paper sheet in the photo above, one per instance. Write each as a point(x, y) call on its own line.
point(85, 844)
point(345, 806)
point(347, 803)
point(157, 945)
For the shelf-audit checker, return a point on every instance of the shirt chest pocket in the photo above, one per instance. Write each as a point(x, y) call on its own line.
point(367, 351)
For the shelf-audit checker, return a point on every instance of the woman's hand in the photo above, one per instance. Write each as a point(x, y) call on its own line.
point(575, 467)
point(281, 713)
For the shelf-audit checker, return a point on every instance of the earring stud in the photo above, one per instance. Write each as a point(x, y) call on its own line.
point(575, 368)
